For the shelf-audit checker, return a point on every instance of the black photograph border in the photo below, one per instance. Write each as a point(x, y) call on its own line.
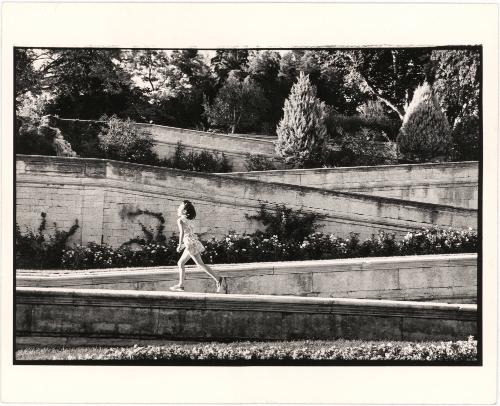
point(279, 363)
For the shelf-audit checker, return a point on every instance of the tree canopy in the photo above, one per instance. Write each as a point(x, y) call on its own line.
point(190, 88)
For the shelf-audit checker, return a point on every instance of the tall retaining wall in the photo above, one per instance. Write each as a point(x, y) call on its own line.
point(58, 316)
point(439, 278)
point(101, 194)
point(454, 183)
point(234, 147)
point(165, 138)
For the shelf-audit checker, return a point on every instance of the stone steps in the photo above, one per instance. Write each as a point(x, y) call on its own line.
point(62, 316)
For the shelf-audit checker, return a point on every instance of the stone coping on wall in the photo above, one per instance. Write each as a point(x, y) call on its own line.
point(262, 303)
point(340, 265)
point(428, 165)
point(436, 278)
point(185, 130)
point(449, 183)
point(55, 316)
point(103, 168)
point(224, 136)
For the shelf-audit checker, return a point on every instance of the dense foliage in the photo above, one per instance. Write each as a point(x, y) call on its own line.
point(389, 75)
point(302, 133)
point(204, 161)
point(234, 248)
point(455, 76)
point(316, 350)
point(83, 136)
point(256, 162)
point(28, 139)
point(117, 139)
point(37, 249)
point(367, 138)
point(245, 90)
point(425, 133)
point(286, 224)
point(122, 140)
point(360, 149)
point(238, 106)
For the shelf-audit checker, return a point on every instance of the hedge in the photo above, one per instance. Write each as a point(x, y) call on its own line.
point(339, 350)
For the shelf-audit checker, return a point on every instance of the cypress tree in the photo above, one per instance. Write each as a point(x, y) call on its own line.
point(425, 133)
point(302, 133)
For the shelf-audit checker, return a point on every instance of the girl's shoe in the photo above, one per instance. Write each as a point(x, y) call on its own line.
point(176, 288)
point(219, 284)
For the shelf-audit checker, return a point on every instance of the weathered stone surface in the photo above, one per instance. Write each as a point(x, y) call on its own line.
point(359, 280)
point(151, 315)
point(445, 278)
point(234, 147)
point(370, 327)
point(453, 183)
point(99, 198)
point(419, 329)
point(310, 325)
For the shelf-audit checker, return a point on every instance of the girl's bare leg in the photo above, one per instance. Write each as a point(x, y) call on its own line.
point(182, 270)
point(197, 259)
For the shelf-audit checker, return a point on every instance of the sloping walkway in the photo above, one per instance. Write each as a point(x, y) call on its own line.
point(441, 278)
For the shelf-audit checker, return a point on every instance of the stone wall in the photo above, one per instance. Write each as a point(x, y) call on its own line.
point(100, 193)
point(439, 278)
point(235, 147)
point(58, 316)
point(454, 183)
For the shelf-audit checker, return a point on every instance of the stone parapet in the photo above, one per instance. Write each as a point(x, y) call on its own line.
point(165, 138)
point(450, 183)
point(438, 278)
point(60, 314)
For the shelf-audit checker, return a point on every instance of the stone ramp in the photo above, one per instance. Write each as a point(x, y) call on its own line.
point(448, 183)
point(441, 278)
point(101, 194)
point(60, 316)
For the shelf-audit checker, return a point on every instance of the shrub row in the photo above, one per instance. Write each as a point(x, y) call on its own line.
point(204, 161)
point(113, 138)
point(257, 162)
point(36, 249)
point(288, 235)
point(278, 351)
point(257, 247)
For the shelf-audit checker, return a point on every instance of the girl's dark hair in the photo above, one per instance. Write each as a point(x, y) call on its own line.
point(190, 211)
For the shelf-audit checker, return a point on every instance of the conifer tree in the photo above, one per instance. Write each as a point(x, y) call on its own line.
point(425, 133)
point(302, 133)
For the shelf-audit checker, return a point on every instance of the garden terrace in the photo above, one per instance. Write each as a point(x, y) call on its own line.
point(438, 278)
point(101, 194)
point(63, 316)
point(235, 147)
point(451, 183)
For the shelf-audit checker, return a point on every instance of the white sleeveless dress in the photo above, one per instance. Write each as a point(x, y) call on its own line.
point(190, 239)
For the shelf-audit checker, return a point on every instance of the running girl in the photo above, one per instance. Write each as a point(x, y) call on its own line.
point(192, 246)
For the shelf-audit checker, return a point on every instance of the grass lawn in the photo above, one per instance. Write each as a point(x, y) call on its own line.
point(338, 350)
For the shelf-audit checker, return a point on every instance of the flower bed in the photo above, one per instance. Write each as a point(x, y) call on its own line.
point(246, 351)
point(235, 248)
